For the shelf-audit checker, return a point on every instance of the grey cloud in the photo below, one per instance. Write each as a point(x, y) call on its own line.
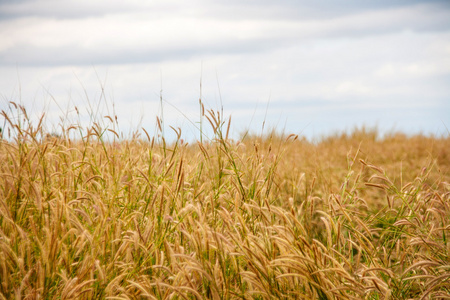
point(228, 9)
point(309, 10)
point(69, 9)
point(27, 55)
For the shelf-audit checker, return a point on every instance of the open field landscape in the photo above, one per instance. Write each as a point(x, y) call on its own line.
point(85, 214)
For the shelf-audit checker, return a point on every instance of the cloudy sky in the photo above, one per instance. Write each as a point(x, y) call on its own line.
point(308, 67)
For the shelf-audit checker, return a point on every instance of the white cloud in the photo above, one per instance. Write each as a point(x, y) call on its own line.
point(362, 60)
point(140, 35)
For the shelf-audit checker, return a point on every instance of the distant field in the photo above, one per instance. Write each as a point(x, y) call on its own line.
point(354, 216)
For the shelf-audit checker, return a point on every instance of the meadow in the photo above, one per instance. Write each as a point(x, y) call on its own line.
point(270, 216)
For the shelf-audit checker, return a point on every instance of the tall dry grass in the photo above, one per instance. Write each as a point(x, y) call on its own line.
point(354, 216)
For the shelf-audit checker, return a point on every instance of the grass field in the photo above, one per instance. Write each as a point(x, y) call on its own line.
point(354, 216)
